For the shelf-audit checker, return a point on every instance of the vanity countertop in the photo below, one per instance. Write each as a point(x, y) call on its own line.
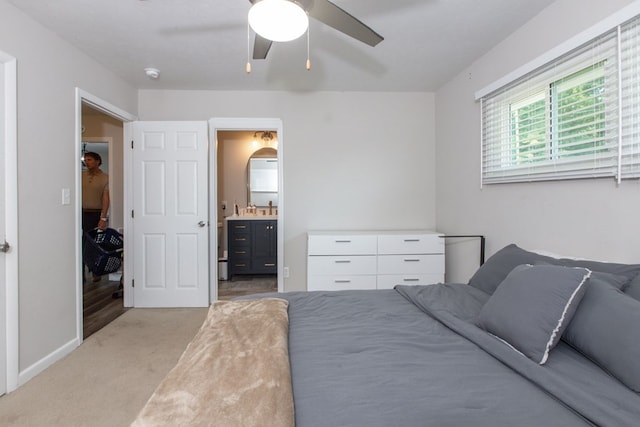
point(251, 217)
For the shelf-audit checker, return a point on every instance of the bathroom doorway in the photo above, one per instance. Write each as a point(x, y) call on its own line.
point(256, 211)
point(247, 229)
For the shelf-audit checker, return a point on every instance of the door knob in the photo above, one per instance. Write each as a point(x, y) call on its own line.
point(4, 247)
point(202, 224)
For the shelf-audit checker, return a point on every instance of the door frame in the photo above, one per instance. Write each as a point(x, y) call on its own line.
point(240, 124)
point(10, 279)
point(109, 109)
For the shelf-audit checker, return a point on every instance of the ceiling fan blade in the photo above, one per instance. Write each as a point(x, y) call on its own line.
point(261, 47)
point(330, 14)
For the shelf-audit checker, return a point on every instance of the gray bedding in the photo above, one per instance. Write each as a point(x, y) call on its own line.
point(413, 357)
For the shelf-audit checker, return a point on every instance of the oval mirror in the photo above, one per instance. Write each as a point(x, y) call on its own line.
point(262, 180)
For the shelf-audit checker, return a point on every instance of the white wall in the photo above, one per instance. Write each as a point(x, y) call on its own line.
point(589, 218)
point(351, 160)
point(48, 72)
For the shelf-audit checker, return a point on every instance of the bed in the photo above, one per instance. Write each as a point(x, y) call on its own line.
point(531, 340)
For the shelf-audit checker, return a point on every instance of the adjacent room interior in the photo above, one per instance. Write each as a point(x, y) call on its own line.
point(102, 298)
point(247, 195)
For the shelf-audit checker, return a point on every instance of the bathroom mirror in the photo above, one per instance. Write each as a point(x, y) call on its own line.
point(262, 177)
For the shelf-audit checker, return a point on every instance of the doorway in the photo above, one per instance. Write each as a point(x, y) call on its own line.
point(100, 126)
point(218, 215)
point(247, 190)
point(102, 295)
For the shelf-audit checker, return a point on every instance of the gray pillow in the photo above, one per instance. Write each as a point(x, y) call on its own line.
point(532, 307)
point(617, 281)
point(493, 272)
point(606, 329)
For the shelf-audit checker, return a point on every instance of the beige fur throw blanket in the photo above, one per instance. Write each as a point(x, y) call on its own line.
point(235, 371)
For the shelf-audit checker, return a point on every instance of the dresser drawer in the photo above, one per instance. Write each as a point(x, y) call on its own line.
point(350, 265)
point(240, 252)
point(341, 283)
point(410, 264)
point(239, 239)
point(239, 227)
point(265, 265)
point(410, 244)
point(342, 245)
point(338, 260)
point(240, 266)
point(388, 281)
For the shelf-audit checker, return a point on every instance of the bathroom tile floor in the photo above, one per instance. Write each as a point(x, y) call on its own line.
point(247, 285)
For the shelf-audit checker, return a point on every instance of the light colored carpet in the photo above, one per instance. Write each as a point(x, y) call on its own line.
point(108, 379)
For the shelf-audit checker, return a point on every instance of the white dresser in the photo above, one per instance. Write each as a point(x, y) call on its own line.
point(373, 259)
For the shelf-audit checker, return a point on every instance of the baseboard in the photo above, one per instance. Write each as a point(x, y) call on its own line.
point(46, 361)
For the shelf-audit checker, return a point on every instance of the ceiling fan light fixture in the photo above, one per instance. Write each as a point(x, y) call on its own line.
point(278, 20)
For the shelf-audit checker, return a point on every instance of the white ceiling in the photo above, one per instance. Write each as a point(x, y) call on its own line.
point(202, 44)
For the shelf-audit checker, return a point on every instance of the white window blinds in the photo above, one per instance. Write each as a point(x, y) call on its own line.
point(630, 99)
point(575, 117)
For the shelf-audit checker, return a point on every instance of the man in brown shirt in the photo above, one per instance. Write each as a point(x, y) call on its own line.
point(95, 195)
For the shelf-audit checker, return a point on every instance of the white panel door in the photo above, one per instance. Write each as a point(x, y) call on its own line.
point(3, 287)
point(8, 224)
point(170, 218)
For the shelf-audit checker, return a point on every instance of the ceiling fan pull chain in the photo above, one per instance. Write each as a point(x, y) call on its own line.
point(308, 60)
point(248, 67)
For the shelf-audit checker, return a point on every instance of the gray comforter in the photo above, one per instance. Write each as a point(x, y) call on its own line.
point(413, 357)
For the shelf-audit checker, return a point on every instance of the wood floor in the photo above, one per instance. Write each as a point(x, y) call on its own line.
point(100, 308)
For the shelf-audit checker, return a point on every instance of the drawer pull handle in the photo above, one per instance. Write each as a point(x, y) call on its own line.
point(343, 241)
point(411, 279)
point(411, 260)
point(240, 226)
point(342, 261)
point(241, 252)
point(411, 240)
point(241, 265)
point(342, 281)
point(240, 239)
point(269, 265)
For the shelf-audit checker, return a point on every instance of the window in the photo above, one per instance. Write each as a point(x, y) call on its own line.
point(577, 116)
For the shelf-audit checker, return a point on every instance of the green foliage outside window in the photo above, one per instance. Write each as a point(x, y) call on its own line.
point(568, 119)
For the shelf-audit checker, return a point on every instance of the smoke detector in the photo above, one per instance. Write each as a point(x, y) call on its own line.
point(152, 73)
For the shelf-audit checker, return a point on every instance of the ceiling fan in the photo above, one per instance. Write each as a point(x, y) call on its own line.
point(329, 14)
